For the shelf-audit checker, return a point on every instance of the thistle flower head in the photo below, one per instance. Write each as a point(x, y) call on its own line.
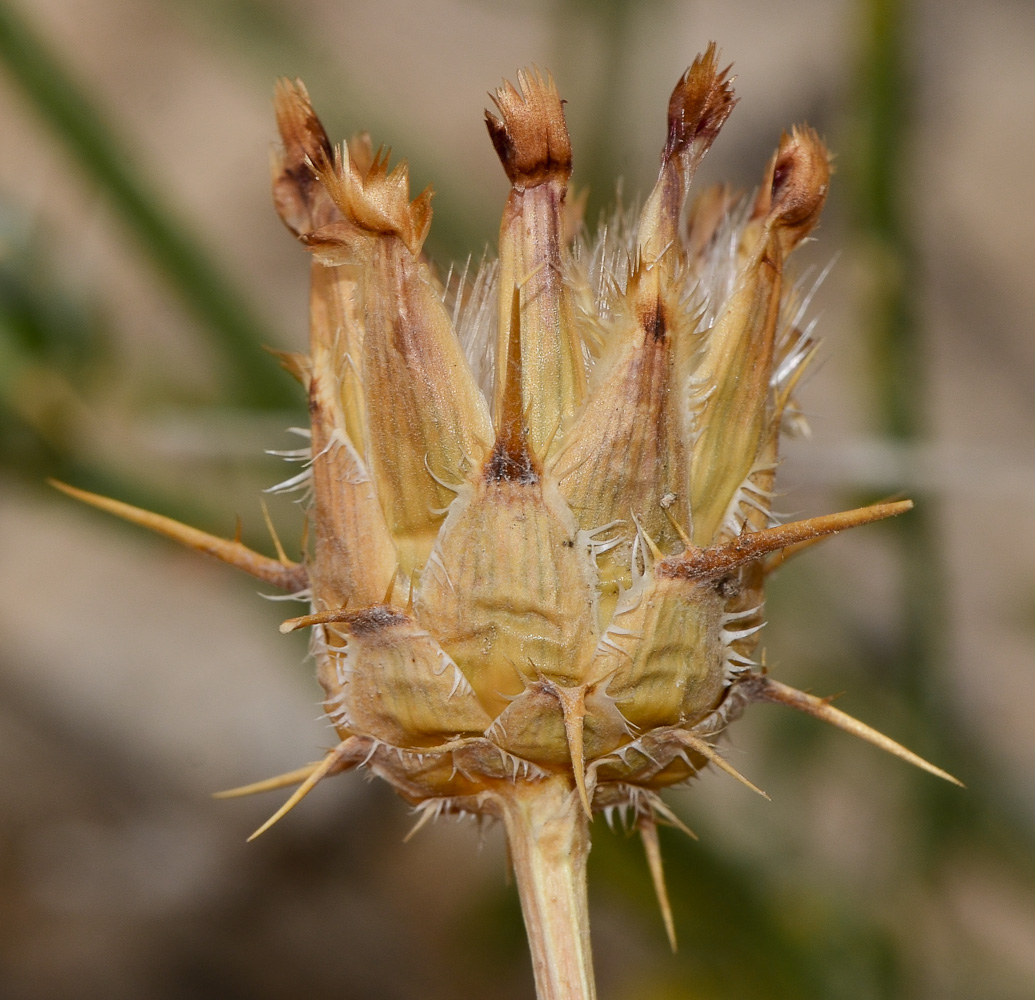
point(540, 499)
point(558, 570)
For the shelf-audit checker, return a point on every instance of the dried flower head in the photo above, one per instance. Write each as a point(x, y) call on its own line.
point(540, 498)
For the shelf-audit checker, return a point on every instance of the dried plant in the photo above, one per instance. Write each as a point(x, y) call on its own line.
point(540, 498)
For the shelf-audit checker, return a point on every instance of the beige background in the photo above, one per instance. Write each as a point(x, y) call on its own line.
point(135, 678)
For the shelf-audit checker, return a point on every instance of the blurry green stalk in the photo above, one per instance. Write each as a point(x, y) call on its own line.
point(63, 105)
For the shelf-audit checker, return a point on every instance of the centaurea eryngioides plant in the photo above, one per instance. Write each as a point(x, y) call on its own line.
point(539, 498)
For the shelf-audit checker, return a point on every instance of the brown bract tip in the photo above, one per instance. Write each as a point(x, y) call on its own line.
point(699, 105)
point(651, 315)
point(796, 185)
point(373, 200)
point(511, 462)
point(531, 137)
point(299, 366)
point(300, 200)
point(717, 560)
point(300, 130)
point(375, 619)
point(328, 196)
point(368, 621)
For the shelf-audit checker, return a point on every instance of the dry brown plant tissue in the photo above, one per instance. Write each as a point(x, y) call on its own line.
point(540, 496)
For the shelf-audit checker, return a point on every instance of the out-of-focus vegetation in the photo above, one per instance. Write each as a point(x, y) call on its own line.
point(835, 891)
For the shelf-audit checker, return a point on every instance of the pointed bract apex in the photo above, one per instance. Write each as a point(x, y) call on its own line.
point(531, 137)
point(331, 616)
point(301, 202)
point(295, 777)
point(652, 848)
point(299, 366)
point(345, 755)
point(300, 129)
point(795, 186)
point(763, 688)
point(573, 709)
point(374, 200)
point(324, 194)
point(697, 109)
point(699, 105)
point(288, 576)
point(718, 560)
point(706, 750)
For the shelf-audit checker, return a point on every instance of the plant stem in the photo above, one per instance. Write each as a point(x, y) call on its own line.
point(548, 834)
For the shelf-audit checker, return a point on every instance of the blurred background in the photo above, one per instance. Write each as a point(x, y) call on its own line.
point(141, 268)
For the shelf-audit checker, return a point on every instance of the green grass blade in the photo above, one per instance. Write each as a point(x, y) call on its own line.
point(63, 105)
